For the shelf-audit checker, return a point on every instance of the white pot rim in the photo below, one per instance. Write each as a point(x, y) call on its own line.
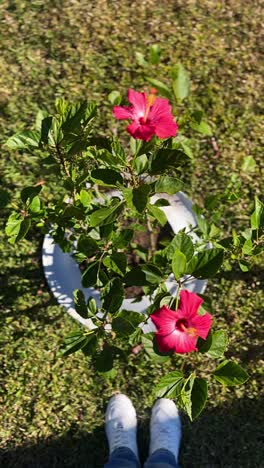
point(63, 274)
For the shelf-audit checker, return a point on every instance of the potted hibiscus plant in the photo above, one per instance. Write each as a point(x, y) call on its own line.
point(104, 202)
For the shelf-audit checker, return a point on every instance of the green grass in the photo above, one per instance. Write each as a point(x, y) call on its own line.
point(52, 409)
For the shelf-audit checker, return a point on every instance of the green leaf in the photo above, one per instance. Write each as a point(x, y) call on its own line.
point(230, 374)
point(89, 277)
point(13, 225)
point(91, 306)
point(126, 322)
point(141, 59)
point(90, 346)
point(170, 385)
point(123, 238)
point(143, 275)
point(27, 139)
point(4, 198)
point(106, 215)
point(17, 227)
point(244, 266)
point(247, 247)
point(152, 350)
point(206, 263)
point(77, 341)
point(186, 395)
point(112, 301)
point(178, 264)
point(248, 164)
point(158, 214)
point(107, 177)
point(180, 82)
point(24, 228)
point(87, 245)
point(28, 193)
point(182, 242)
point(214, 345)
point(167, 184)
point(201, 221)
point(114, 98)
point(140, 196)
point(161, 87)
point(198, 396)
point(85, 198)
point(117, 262)
point(104, 360)
point(166, 159)
point(140, 164)
point(35, 205)
point(201, 127)
point(154, 54)
point(257, 217)
point(80, 303)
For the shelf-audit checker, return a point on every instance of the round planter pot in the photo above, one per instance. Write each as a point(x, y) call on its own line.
point(63, 274)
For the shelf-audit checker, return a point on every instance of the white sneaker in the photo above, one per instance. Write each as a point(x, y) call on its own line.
point(165, 427)
point(121, 424)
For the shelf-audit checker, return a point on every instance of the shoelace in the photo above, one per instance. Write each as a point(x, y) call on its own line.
point(120, 435)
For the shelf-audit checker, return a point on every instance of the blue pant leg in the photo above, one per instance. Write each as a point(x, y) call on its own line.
point(161, 458)
point(122, 457)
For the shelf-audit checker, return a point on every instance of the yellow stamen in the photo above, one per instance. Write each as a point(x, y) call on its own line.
point(190, 331)
point(150, 100)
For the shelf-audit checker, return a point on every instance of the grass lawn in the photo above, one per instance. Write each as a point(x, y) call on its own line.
point(52, 409)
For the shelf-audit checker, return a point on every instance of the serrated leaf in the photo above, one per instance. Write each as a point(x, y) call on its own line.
point(107, 177)
point(206, 263)
point(85, 198)
point(90, 275)
point(198, 396)
point(214, 345)
point(26, 139)
point(182, 242)
point(106, 215)
point(80, 303)
point(158, 214)
point(170, 385)
point(117, 262)
point(152, 350)
point(230, 374)
point(179, 263)
point(126, 321)
point(112, 301)
point(167, 184)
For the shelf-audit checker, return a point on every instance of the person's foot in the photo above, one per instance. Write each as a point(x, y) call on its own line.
point(165, 427)
point(121, 424)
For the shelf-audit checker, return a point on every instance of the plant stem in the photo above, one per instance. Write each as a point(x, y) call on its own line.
point(152, 246)
point(62, 161)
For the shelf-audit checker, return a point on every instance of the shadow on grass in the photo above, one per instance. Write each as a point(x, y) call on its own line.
point(222, 437)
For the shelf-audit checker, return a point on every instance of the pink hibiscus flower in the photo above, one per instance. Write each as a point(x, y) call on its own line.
point(150, 116)
point(179, 330)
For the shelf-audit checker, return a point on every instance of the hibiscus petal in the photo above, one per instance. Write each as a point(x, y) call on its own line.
point(160, 109)
point(138, 101)
point(189, 303)
point(202, 323)
point(165, 320)
point(140, 132)
point(179, 342)
point(122, 113)
point(166, 128)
